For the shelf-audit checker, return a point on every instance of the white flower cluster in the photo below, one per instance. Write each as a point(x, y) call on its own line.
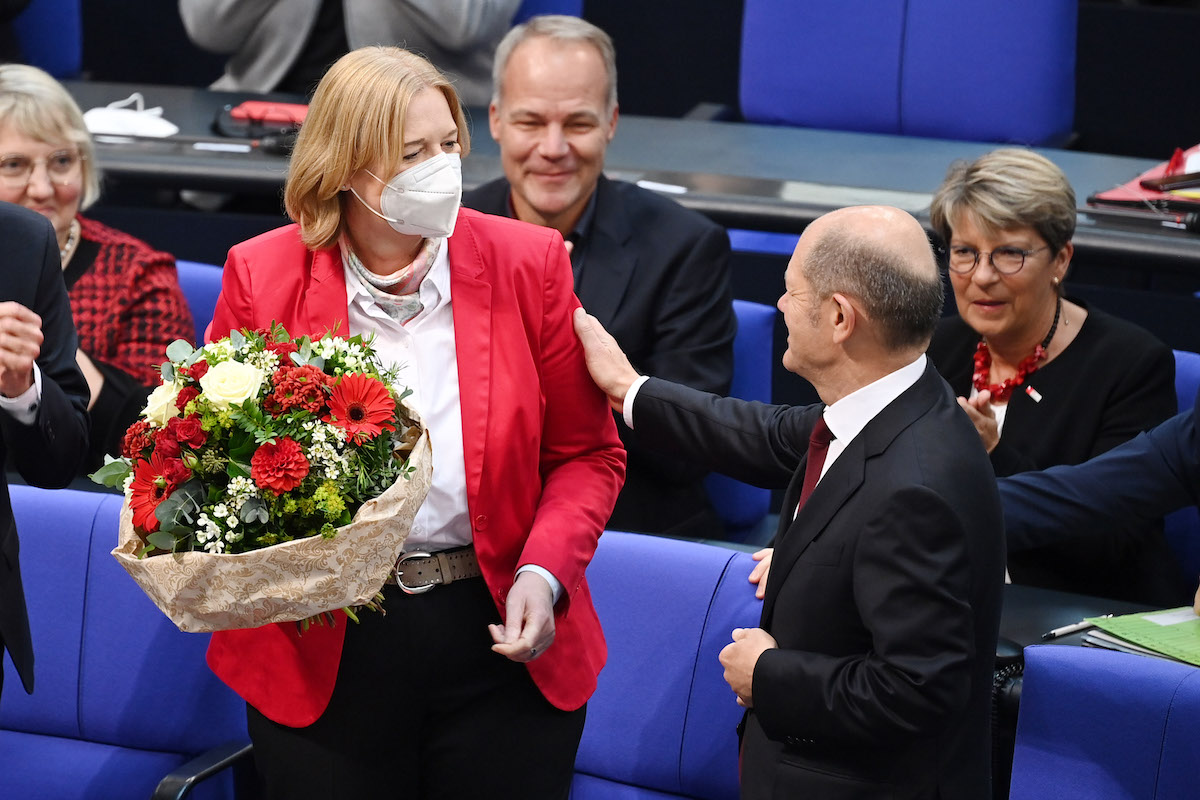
point(221, 350)
point(265, 360)
point(220, 525)
point(348, 356)
point(326, 450)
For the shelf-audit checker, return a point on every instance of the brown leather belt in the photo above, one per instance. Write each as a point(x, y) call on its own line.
point(419, 572)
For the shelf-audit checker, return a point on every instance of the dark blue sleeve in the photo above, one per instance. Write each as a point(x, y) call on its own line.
point(1125, 489)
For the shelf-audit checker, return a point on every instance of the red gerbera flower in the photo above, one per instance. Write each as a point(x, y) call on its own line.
point(154, 481)
point(363, 406)
point(279, 467)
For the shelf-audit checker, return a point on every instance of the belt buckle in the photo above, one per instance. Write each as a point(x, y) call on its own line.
point(411, 589)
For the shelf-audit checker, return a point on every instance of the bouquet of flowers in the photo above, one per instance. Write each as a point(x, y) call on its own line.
point(268, 479)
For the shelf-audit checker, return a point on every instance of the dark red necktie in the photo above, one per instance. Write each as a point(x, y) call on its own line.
point(818, 447)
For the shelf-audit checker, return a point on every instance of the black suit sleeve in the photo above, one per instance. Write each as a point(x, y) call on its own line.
point(48, 452)
point(750, 441)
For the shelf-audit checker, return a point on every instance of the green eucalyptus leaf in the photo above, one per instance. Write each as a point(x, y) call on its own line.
point(168, 372)
point(253, 510)
point(162, 540)
point(179, 350)
point(113, 473)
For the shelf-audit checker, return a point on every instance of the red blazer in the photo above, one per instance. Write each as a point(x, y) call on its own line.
point(530, 413)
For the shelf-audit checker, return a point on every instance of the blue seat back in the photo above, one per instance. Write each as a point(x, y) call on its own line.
point(51, 36)
point(910, 67)
point(662, 721)
point(1097, 724)
point(121, 697)
point(1182, 528)
point(201, 284)
point(740, 506)
point(533, 8)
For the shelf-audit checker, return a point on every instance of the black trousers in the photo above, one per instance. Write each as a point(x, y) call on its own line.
point(424, 709)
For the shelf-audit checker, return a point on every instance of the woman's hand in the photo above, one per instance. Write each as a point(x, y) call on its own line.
point(979, 409)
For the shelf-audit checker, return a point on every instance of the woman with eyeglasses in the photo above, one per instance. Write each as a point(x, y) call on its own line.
point(125, 296)
point(1046, 379)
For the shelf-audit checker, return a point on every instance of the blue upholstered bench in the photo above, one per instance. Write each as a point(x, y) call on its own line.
point(1097, 724)
point(662, 723)
point(121, 697)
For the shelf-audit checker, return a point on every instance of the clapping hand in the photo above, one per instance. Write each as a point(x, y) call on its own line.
point(20, 344)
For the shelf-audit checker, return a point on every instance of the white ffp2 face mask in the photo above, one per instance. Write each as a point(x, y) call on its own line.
point(422, 200)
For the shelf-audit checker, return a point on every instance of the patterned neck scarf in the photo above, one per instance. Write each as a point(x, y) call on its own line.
point(397, 294)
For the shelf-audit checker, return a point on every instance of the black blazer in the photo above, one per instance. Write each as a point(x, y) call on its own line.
point(884, 594)
point(49, 452)
point(656, 275)
point(1112, 382)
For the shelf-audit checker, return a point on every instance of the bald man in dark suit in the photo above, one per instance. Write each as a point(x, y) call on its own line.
point(870, 674)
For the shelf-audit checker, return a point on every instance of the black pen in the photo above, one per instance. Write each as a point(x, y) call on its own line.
point(1074, 627)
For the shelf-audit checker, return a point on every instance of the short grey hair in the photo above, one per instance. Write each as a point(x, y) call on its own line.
point(34, 104)
point(564, 30)
point(904, 299)
point(1004, 189)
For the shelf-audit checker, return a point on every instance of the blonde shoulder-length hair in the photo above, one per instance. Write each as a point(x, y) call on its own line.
point(356, 120)
point(34, 104)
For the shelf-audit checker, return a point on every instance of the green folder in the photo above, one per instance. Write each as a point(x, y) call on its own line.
point(1173, 633)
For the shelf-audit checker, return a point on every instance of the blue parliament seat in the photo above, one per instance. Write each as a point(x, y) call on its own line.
point(1102, 725)
point(201, 284)
point(51, 36)
point(662, 723)
point(993, 71)
point(742, 507)
point(122, 699)
point(533, 8)
point(1182, 528)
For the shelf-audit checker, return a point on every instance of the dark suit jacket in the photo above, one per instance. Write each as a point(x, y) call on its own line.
point(1119, 492)
point(656, 275)
point(49, 452)
point(884, 594)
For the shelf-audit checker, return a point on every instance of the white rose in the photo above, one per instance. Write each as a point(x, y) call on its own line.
point(231, 383)
point(160, 406)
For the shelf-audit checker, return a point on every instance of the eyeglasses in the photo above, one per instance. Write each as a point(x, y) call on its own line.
point(62, 167)
point(1005, 260)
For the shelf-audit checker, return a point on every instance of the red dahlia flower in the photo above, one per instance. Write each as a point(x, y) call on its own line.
point(299, 387)
point(153, 482)
point(279, 467)
point(138, 438)
point(363, 406)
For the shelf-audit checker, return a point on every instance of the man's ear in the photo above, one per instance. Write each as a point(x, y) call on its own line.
point(845, 317)
point(494, 121)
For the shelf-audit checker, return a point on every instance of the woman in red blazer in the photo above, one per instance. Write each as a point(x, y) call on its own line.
point(475, 687)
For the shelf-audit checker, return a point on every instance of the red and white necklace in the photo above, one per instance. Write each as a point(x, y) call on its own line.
point(983, 364)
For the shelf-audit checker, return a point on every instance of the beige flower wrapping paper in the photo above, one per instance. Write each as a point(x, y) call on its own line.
point(288, 582)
